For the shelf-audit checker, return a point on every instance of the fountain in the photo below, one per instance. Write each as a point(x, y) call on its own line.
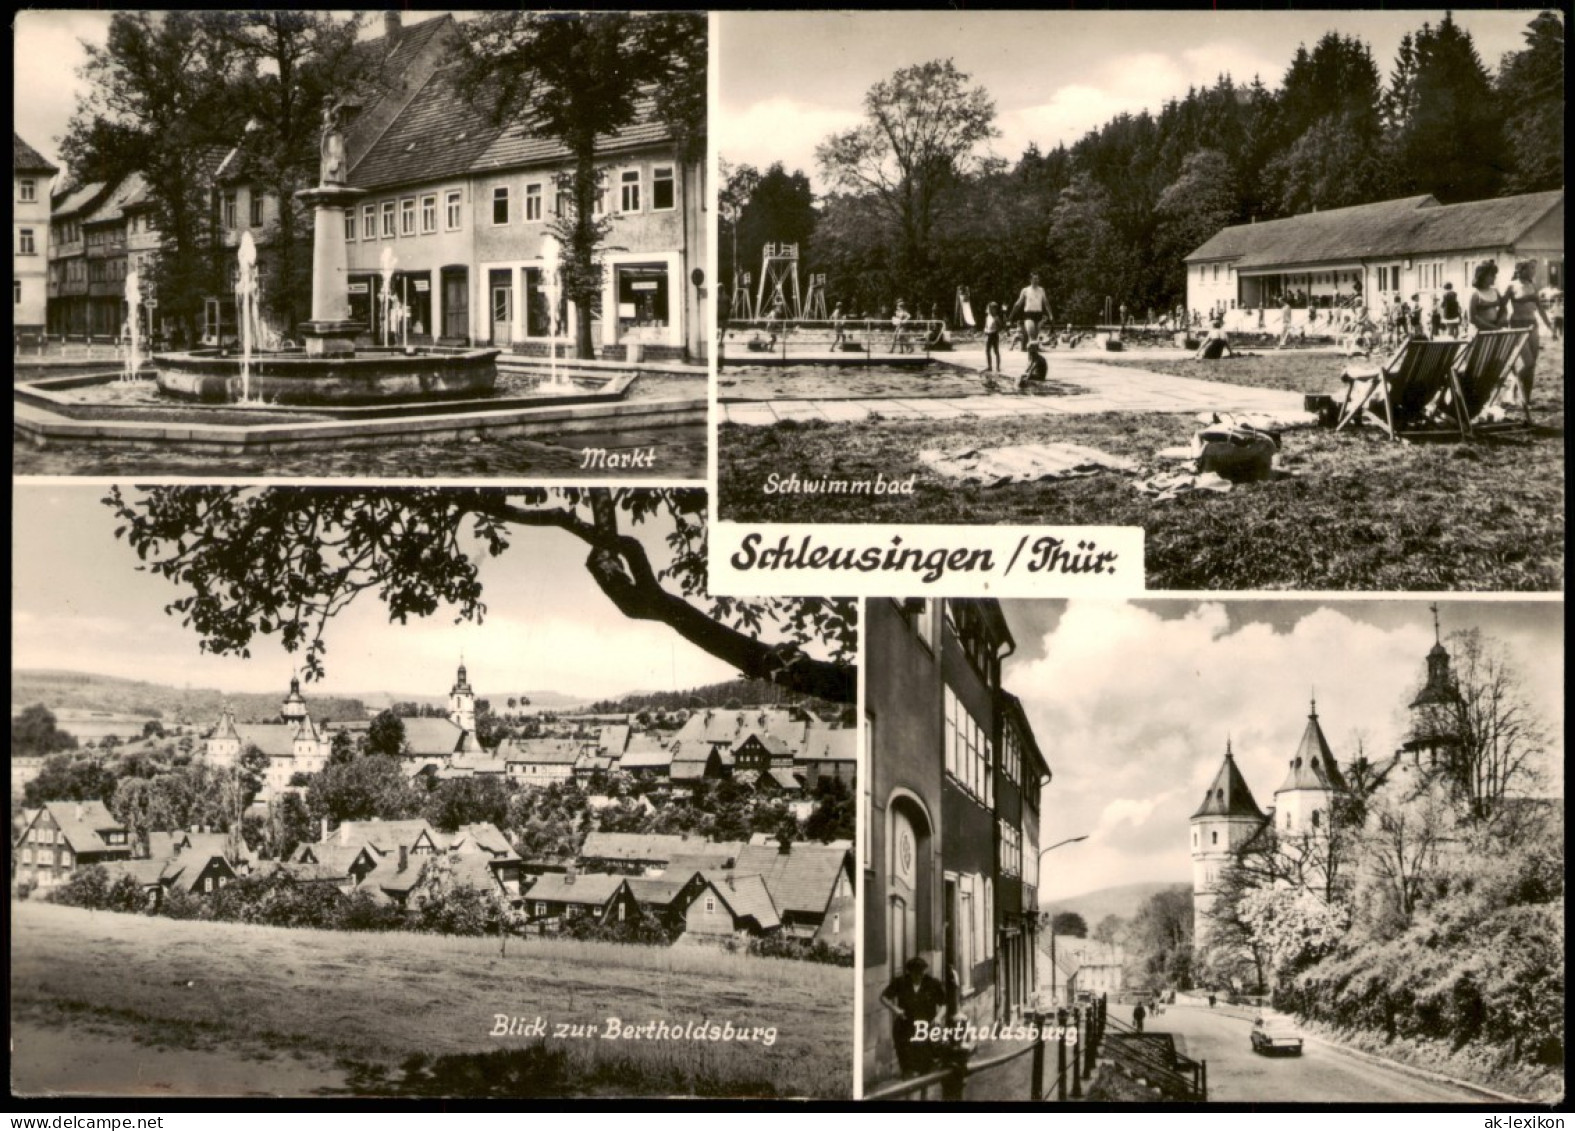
point(133, 368)
point(330, 369)
point(551, 264)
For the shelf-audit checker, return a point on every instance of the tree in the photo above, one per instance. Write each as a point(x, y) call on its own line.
point(468, 801)
point(575, 78)
point(1159, 942)
point(833, 815)
point(290, 64)
point(341, 748)
point(1069, 924)
point(150, 729)
point(251, 772)
point(367, 789)
point(159, 101)
point(71, 777)
point(921, 128)
point(34, 733)
point(386, 735)
point(1192, 210)
point(1109, 929)
point(771, 207)
point(1448, 128)
point(1531, 94)
point(1294, 928)
point(287, 560)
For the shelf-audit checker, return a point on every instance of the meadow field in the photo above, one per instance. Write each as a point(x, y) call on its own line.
point(1356, 512)
point(408, 1014)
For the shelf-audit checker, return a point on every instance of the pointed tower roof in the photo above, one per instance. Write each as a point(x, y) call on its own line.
point(1440, 688)
point(1313, 766)
point(1228, 795)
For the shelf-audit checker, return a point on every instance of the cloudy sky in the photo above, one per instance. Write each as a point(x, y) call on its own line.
point(1132, 704)
point(790, 78)
point(48, 47)
point(79, 603)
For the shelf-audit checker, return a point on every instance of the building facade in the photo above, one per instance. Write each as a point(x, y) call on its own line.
point(31, 174)
point(1405, 247)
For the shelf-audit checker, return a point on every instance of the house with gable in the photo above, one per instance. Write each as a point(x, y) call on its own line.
point(718, 906)
point(556, 898)
point(31, 173)
point(811, 886)
point(65, 836)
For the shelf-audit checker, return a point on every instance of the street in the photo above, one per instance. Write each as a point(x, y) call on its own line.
point(1319, 1075)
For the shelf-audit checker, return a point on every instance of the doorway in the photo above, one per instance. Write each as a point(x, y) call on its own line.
point(501, 288)
point(456, 303)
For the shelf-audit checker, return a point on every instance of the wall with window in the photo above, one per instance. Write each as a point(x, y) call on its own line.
point(29, 251)
point(430, 230)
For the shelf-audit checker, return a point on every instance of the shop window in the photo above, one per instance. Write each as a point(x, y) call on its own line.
point(664, 194)
point(642, 291)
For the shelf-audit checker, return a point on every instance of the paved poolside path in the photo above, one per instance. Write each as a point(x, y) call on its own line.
point(1109, 388)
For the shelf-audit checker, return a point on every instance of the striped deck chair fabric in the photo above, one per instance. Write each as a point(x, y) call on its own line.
point(1483, 373)
point(1412, 379)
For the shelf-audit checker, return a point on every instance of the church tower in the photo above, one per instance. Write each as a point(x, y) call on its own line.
point(1227, 819)
point(294, 708)
point(1305, 803)
point(462, 702)
point(1434, 737)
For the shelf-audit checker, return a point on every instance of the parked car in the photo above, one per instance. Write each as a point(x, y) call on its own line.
point(1274, 1036)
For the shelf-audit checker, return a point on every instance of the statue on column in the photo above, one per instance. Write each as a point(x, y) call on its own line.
point(333, 145)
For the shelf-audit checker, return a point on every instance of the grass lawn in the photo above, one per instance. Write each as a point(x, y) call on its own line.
point(846, 382)
point(1358, 513)
point(424, 1005)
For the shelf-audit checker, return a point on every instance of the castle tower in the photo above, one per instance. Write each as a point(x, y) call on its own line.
point(294, 708)
point(1304, 803)
point(1227, 819)
point(224, 743)
point(1435, 720)
point(462, 702)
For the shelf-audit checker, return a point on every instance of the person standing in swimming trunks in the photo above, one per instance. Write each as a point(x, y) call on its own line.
point(1034, 305)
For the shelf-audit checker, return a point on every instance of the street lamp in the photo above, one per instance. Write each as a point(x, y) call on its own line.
point(1055, 997)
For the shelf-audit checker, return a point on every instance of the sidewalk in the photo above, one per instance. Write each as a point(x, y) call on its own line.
point(1110, 389)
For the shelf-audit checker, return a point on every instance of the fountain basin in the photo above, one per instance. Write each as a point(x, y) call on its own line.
point(371, 376)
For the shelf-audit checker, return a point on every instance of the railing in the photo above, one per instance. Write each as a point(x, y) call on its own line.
point(1176, 1076)
point(1074, 1062)
point(873, 339)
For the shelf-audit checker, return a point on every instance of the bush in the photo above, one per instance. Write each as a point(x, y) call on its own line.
point(803, 950)
point(87, 887)
point(25, 889)
point(179, 903)
point(644, 929)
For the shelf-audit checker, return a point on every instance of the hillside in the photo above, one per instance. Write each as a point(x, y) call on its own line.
point(746, 692)
point(1122, 901)
point(200, 706)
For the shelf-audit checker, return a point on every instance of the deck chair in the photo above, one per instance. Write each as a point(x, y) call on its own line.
point(1411, 378)
point(1482, 375)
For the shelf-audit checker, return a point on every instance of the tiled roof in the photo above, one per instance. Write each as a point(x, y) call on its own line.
point(429, 738)
point(658, 891)
point(277, 740)
point(384, 837)
point(476, 870)
point(643, 847)
point(145, 872)
point(74, 200)
point(439, 135)
point(830, 744)
point(338, 858)
point(720, 856)
point(1313, 766)
point(1412, 225)
point(645, 752)
point(26, 159)
point(730, 728)
point(309, 873)
point(593, 888)
point(518, 145)
point(541, 751)
point(799, 880)
point(82, 825)
point(613, 739)
point(485, 837)
point(1228, 795)
point(746, 897)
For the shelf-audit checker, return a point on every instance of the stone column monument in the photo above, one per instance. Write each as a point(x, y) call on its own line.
point(330, 333)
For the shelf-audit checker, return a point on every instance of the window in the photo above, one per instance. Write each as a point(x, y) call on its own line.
point(452, 217)
point(428, 214)
point(256, 209)
point(1214, 838)
point(407, 216)
point(229, 210)
point(663, 189)
point(622, 907)
point(600, 207)
point(500, 205)
point(710, 905)
point(1011, 848)
point(1287, 820)
point(16, 290)
point(1316, 819)
point(629, 190)
point(1011, 754)
point(532, 203)
point(836, 924)
point(207, 884)
point(968, 750)
point(388, 220)
point(369, 221)
point(349, 223)
point(541, 909)
point(27, 855)
point(27, 189)
point(563, 203)
point(25, 244)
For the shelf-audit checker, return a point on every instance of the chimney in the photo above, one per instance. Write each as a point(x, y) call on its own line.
point(730, 885)
point(568, 878)
point(404, 857)
point(391, 27)
point(79, 810)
